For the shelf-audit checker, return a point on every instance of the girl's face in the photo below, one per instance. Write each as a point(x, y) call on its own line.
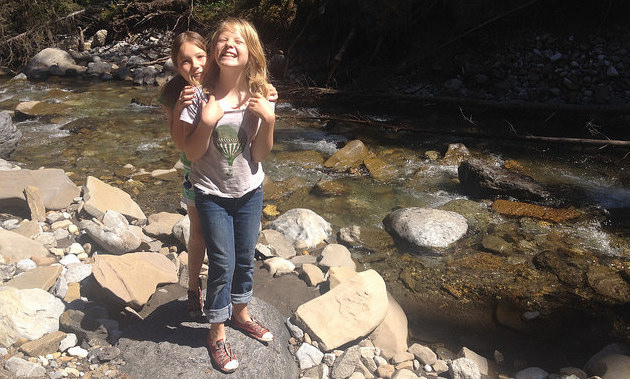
point(231, 50)
point(190, 62)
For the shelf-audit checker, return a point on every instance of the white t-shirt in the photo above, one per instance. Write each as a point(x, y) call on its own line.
point(226, 168)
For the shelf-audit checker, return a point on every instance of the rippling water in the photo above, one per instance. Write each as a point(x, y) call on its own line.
point(95, 128)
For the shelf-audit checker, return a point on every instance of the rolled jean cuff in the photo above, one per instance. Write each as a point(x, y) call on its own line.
point(242, 298)
point(216, 316)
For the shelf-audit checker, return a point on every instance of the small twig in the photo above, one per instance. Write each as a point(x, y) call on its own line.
point(550, 116)
point(469, 119)
point(511, 127)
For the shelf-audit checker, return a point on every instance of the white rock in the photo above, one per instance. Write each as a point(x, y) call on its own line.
point(24, 369)
point(69, 259)
point(76, 249)
point(532, 373)
point(464, 368)
point(68, 342)
point(78, 351)
point(29, 313)
point(278, 266)
point(308, 356)
point(25, 265)
point(303, 226)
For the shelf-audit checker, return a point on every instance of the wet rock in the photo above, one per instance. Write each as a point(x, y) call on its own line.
point(329, 188)
point(425, 229)
point(514, 208)
point(351, 310)
point(481, 179)
point(379, 169)
point(455, 154)
point(349, 156)
point(133, 277)
point(27, 313)
point(607, 282)
point(302, 226)
point(100, 197)
point(496, 244)
point(38, 67)
point(10, 135)
point(350, 236)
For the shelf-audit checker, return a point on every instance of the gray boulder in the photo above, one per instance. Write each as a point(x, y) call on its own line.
point(9, 135)
point(39, 67)
point(167, 345)
point(424, 229)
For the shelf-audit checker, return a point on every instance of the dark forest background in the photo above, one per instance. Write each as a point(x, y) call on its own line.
point(354, 41)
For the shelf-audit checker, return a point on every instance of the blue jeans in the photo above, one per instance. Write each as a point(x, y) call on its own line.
point(230, 229)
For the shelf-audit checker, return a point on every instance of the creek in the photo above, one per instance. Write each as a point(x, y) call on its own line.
point(558, 295)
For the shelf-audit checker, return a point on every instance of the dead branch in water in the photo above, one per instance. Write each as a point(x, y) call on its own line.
point(398, 127)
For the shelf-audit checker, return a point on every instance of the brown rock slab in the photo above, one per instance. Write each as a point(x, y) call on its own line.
point(35, 203)
point(56, 190)
point(48, 344)
point(133, 277)
point(15, 247)
point(515, 208)
point(100, 197)
point(42, 277)
point(349, 156)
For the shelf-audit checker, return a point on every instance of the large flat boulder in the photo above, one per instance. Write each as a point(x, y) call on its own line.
point(132, 278)
point(167, 344)
point(43, 277)
point(349, 311)
point(15, 247)
point(56, 190)
point(100, 197)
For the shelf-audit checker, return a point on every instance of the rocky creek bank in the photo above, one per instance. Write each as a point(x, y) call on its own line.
point(82, 265)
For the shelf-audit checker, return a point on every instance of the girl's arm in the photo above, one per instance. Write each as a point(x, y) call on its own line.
point(197, 141)
point(178, 128)
point(263, 141)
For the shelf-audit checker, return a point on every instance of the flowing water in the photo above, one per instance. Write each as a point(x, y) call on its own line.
point(96, 128)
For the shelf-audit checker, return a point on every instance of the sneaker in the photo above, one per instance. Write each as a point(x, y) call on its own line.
point(194, 304)
point(254, 329)
point(222, 356)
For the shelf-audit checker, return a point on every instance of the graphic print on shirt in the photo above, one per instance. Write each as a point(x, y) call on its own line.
point(227, 141)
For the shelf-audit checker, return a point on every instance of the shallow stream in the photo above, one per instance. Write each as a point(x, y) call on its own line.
point(469, 297)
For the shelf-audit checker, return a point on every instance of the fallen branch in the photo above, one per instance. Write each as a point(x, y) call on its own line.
point(39, 27)
point(399, 127)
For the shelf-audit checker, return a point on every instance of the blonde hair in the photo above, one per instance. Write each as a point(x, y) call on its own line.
point(256, 69)
point(182, 38)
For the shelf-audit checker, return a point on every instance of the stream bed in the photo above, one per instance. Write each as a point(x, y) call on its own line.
point(555, 297)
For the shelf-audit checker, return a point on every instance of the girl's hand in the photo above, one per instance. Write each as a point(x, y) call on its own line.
point(272, 93)
point(186, 96)
point(211, 111)
point(260, 107)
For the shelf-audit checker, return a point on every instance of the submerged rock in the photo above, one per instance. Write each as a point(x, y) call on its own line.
point(481, 179)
